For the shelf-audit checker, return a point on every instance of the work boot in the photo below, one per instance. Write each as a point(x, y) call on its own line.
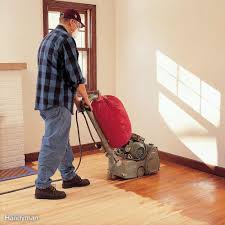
point(75, 182)
point(49, 193)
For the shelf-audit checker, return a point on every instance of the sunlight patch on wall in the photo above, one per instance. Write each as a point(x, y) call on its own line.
point(197, 94)
point(191, 133)
point(203, 147)
point(167, 72)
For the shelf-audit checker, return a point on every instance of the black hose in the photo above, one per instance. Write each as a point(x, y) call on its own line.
point(78, 134)
point(97, 145)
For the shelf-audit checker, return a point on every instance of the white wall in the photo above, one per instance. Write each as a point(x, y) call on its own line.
point(21, 33)
point(191, 33)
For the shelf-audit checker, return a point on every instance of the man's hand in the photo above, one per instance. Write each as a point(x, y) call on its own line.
point(81, 89)
point(88, 103)
point(78, 101)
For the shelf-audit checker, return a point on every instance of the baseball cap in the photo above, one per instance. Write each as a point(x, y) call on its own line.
point(72, 14)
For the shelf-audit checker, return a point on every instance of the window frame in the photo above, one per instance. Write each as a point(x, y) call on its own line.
point(53, 5)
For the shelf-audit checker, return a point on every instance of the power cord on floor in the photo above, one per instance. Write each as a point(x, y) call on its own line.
point(80, 148)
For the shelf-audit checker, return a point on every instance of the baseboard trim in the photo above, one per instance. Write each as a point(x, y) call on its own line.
point(88, 148)
point(216, 170)
point(31, 157)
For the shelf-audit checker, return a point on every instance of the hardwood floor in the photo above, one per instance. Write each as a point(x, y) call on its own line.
point(199, 195)
point(176, 195)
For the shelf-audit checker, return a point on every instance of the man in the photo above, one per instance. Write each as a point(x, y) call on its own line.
point(59, 81)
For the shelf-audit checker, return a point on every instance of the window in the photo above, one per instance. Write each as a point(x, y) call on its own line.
point(86, 38)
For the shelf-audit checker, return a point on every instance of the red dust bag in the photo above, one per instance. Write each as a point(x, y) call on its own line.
point(113, 120)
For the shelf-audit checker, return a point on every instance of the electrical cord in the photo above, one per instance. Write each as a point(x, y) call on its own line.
point(97, 145)
point(80, 148)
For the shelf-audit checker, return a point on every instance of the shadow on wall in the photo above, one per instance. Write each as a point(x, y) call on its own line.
point(191, 108)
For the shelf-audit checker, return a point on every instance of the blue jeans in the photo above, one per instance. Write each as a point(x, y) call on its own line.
point(55, 150)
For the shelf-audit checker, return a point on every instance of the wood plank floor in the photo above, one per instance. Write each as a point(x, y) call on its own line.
point(176, 195)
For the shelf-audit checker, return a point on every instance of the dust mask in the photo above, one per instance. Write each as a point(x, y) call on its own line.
point(75, 33)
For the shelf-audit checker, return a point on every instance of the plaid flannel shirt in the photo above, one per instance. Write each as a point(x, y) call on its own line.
point(59, 73)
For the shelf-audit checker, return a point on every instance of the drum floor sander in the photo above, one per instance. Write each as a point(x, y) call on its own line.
point(133, 159)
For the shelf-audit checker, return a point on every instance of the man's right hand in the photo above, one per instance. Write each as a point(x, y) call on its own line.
point(88, 103)
point(83, 93)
